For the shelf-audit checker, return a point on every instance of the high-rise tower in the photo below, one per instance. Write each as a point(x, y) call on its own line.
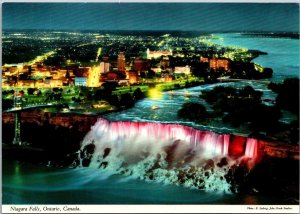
point(121, 61)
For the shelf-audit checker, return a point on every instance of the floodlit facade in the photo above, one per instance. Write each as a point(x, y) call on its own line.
point(157, 54)
point(183, 70)
point(104, 67)
point(216, 63)
point(140, 64)
point(133, 77)
point(80, 81)
point(121, 61)
point(165, 62)
point(93, 77)
point(204, 59)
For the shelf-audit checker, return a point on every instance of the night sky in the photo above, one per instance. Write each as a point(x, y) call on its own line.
point(209, 17)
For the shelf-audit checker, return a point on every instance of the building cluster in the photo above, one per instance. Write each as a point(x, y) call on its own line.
point(132, 71)
point(157, 54)
point(92, 58)
point(36, 75)
point(216, 64)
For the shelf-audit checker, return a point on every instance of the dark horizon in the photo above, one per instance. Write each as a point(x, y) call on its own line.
point(185, 17)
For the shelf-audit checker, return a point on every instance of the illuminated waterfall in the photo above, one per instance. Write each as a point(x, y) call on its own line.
point(251, 148)
point(168, 153)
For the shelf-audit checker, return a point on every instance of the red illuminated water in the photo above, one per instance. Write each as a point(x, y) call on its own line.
point(166, 153)
point(212, 144)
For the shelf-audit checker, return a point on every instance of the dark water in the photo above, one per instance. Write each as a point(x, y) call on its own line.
point(24, 183)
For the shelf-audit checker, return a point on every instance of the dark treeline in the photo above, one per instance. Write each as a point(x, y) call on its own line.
point(288, 94)
point(124, 100)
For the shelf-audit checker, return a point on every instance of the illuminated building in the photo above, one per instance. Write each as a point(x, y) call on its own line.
point(216, 64)
point(112, 76)
point(123, 82)
point(93, 77)
point(168, 78)
point(26, 83)
point(40, 73)
point(165, 62)
point(140, 64)
point(121, 61)
point(39, 83)
point(133, 77)
point(103, 77)
point(53, 83)
point(104, 67)
point(157, 54)
point(13, 67)
point(156, 69)
point(204, 59)
point(168, 70)
point(87, 76)
point(183, 70)
point(80, 81)
point(59, 74)
point(82, 71)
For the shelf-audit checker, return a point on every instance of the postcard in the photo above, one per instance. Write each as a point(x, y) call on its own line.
point(150, 107)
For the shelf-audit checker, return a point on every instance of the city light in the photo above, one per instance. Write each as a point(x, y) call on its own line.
point(93, 77)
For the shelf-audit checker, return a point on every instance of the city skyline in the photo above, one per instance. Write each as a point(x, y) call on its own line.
point(202, 17)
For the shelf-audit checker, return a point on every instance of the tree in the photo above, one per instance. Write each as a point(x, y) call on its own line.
point(193, 111)
point(138, 94)
point(113, 100)
point(30, 91)
point(110, 86)
point(39, 93)
point(267, 73)
point(288, 95)
point(264, 118)
point(126, 100)
point(150, 73)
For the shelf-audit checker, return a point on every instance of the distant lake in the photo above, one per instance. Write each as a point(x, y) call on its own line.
point(283, 53)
